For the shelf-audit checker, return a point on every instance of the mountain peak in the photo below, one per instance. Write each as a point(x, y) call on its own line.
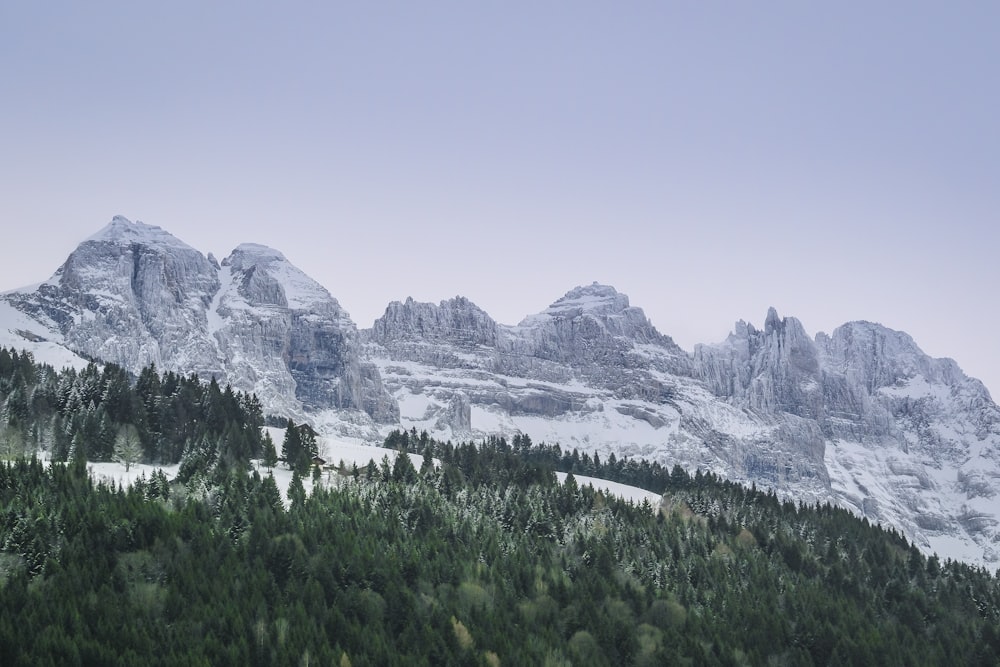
point(772, 322)
point(594, 290)
point(123, 231)
point(259, 251)
point(594, 298)
point(270, 273)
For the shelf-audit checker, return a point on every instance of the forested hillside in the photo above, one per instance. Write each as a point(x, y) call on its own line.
point(103, 414)
point(482, 559)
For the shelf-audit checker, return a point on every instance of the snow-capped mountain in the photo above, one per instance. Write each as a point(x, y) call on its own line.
point(860, 417)
point(134, 295)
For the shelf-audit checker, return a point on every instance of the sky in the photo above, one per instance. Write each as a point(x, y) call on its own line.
point(838, 161)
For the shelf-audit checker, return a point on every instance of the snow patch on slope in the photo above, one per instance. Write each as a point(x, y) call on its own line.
point(631, 494)
point(913, 493)
point(301, 291)
point(215, 321)
point(20, 332)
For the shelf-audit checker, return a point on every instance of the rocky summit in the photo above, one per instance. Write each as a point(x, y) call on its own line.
point(860, 417)
point(135, 295)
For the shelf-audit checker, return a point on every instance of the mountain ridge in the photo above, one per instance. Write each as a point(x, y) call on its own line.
point(861, 417)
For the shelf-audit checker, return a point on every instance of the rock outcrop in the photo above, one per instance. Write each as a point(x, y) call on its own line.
point(279, 328)
point(567, 360)
point(133, 294)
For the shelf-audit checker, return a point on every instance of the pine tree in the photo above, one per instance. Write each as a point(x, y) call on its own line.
point(296, 491)
point(78, 448)
point(299, 447)
point(427, 463)
point(270, 453)
point(310, 445)
point(403, 470)
point(291, 446)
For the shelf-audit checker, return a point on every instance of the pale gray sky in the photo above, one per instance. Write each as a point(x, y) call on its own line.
point(837, 161)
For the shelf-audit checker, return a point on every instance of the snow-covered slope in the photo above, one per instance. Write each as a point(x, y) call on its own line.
point(21, 332)
point(860, 417)
point(589, 372)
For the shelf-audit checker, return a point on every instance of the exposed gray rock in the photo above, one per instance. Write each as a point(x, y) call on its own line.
point(272, 316)
point(771, 371)
point(133, 294)
point(457, 416)
point(456, 321)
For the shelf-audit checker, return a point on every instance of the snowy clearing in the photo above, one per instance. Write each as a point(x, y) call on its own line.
point(623, 491)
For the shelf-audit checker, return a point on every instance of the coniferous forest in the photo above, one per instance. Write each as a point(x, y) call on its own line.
point(476, 557)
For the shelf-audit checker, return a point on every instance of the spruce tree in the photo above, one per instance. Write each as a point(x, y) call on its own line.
point(270, 453)
point(291, 446)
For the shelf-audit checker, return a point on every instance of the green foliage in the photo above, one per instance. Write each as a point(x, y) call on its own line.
point(100, 414)
point(483, 559)
point(270, 454)
point(299, 447)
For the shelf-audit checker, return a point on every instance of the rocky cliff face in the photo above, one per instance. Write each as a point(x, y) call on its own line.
point(569, 360)
point(277, 327)
point(860, 417)
point(912, 441)
point(133, 294)
point(774, 370)
point(902, 438)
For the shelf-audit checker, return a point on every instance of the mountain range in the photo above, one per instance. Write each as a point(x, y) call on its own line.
point(860, 417)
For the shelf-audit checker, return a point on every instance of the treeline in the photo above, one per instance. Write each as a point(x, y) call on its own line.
point(436, 565)
point(104, 414)
point(477, 556)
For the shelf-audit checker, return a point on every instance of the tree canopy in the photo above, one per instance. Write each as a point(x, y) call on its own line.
point(479, 557)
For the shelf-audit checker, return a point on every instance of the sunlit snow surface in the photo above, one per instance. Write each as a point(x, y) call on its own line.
point(114, 473)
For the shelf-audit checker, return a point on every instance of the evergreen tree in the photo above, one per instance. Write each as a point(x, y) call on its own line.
point(78, 448)
point(270, 453)
point(296, 491)
point(299, 447)
point(291, 446)
point(403, 470)
point(310, 443)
